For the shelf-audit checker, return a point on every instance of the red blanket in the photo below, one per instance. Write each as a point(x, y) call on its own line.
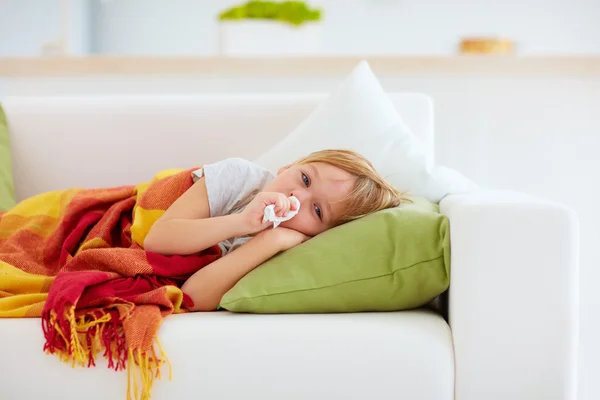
point(74, 258)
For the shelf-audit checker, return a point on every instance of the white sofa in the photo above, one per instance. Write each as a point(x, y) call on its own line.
point(512, 327)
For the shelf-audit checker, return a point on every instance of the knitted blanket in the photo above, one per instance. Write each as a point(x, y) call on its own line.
point(75, 258)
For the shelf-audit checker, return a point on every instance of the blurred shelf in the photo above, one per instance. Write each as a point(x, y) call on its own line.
point(533, 66)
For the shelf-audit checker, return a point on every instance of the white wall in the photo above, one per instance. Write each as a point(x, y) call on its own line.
point(27, 25)
point(175, 27)
point(366, 27)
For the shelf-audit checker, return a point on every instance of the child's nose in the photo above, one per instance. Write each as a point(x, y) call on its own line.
point(300, 194)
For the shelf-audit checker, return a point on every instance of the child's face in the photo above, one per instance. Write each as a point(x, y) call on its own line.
point(319, 187)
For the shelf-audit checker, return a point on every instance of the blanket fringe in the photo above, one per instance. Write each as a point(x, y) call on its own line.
point(144, 367)
point(78, 340)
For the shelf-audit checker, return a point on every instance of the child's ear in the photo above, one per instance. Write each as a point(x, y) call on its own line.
point(283, 169)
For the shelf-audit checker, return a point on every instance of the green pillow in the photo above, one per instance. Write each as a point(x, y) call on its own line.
point(392, 260)
point(7, 189)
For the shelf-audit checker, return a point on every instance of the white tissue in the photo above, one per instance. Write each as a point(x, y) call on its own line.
point(269, 213)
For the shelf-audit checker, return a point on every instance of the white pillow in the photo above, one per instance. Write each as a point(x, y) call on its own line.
point(360, 116)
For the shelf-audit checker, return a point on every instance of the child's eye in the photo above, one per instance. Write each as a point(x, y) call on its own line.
point(318, 211)
point(305, 180)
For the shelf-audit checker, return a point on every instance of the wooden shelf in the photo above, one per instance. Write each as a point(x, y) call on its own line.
point(535, 66)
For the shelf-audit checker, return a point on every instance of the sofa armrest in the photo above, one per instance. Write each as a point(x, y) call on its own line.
point(513, 299)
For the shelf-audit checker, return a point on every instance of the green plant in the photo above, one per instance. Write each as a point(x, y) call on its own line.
point(292, 12)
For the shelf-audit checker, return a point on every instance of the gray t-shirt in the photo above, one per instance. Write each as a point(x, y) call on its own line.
point(231, 184)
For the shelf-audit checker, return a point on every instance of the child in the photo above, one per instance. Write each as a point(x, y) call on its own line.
point(225, 206)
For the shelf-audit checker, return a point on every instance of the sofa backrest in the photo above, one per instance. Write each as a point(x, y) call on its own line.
point(99, 141)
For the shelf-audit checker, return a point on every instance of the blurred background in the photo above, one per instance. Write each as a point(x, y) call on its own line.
point(348, 27)
point(516, 83)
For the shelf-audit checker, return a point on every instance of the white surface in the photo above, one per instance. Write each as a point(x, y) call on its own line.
point(271, 357)
point(257, 38)
point(513, 301)
point(359, 116)
point(107, 141)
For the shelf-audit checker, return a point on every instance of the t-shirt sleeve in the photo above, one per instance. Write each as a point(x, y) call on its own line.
point(229, 182)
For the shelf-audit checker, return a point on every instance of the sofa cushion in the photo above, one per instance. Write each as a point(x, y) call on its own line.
point(360, 116)
point(220, 355)
point(394, 259)
point(7, 190)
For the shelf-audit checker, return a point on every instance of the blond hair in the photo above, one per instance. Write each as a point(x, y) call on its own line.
point(371, 192)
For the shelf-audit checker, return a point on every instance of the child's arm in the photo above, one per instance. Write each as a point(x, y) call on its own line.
point(208, 285)
point(185, 228)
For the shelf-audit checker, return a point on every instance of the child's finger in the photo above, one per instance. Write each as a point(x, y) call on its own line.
point(285, 206)
point(279, 204)
point(293, 206)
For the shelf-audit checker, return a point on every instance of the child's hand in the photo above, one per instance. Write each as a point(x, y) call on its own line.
point(252, 215)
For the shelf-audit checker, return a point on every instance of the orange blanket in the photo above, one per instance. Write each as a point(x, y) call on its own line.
point(74, 258)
